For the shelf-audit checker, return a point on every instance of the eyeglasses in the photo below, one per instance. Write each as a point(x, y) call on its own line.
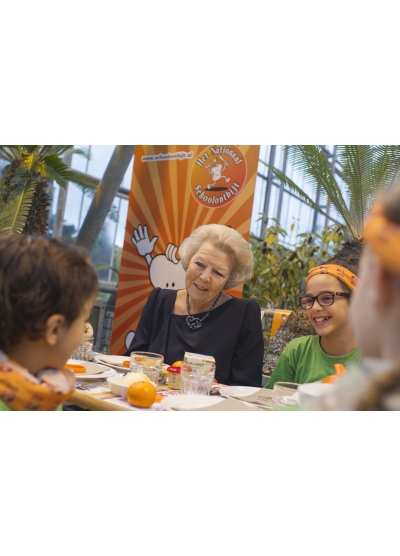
point(324, 299)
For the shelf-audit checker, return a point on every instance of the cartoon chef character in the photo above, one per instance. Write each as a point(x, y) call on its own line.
point(216, 171)
point(165, 271)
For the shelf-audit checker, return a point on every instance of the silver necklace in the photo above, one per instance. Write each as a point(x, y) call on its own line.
point(194, 322)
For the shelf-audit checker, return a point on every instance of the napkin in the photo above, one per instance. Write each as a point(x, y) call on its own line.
point(228, 405)
point(262, 397)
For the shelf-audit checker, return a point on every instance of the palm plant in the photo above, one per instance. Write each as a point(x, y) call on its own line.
point(365, 169)
point(24, 200)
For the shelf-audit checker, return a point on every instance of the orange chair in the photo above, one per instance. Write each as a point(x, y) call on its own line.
point(279, 316)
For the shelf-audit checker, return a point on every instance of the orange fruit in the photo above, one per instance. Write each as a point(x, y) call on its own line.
point(126, 364)
point(177, 364)
point(141, 394)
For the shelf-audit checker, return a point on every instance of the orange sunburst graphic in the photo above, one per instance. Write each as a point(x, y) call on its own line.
point(162, 212)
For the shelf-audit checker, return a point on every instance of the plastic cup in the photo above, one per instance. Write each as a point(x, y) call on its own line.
point(197, 379)
point(150, 364)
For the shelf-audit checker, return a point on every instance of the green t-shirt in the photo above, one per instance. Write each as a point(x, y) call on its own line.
point(303, 360)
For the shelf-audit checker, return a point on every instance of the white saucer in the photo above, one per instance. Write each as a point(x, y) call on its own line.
point(184, 402)
point(91, 368)
point(106, 374)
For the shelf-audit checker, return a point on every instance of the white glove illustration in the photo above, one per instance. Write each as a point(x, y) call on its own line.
point(170, 253)
point(142, 242)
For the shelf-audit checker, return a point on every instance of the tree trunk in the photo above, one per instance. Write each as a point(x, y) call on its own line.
point(104, 196)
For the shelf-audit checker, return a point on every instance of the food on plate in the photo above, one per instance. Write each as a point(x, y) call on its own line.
point(126, 364)
point(141, 394)
point(75, 368)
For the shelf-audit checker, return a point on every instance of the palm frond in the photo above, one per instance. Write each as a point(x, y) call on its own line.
point(314, 167)
point(52, 167)
point(357, 163)
point(63, 150)
point(86, 183)
point(297, 189)
point(28, 148)
point(14, 214)
point(387, 165)
point(9, 152)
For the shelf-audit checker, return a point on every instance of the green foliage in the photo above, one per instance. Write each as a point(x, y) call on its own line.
point(365, 169)
point(24, 201)
point(279, 272)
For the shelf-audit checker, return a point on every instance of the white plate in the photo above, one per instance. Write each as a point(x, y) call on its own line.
point(91, 368)
point(237, 391)
point(106, 374)
point(184, 402)
point(114, 361)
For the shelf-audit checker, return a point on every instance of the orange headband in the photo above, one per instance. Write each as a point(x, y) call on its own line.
point(383, 237)
point(340, 272)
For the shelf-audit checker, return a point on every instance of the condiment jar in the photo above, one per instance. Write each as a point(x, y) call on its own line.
point(174, 378)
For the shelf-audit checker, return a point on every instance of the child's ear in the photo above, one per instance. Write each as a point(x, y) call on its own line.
point(54, 326)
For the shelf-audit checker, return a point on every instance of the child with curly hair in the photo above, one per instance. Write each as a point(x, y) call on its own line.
point(47, 289)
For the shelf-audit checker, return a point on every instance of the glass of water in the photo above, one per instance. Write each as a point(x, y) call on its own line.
point(197, 379)
point(150, 364)
point(285, 394)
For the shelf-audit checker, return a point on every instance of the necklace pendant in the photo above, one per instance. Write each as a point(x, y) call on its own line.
point(193, 322)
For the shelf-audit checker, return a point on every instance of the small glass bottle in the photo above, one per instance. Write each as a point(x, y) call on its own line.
point(174, 378)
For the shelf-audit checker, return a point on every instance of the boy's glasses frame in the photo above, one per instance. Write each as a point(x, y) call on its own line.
point(307, 301)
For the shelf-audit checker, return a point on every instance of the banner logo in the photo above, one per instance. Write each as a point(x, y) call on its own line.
point(218, 175)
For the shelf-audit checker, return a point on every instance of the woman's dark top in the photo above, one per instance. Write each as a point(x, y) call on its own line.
point(232, 334)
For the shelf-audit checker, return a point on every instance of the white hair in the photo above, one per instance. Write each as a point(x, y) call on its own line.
point(229, 241)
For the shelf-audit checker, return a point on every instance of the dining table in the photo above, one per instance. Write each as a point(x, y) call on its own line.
point(100, 398)
point(95, 395)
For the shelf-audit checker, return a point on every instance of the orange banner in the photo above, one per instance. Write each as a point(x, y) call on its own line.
point(174, 190)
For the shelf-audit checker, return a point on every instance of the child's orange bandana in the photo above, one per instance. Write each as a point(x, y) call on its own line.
point(340, 272)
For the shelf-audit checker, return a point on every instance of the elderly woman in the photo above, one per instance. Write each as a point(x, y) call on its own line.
point(202, 318)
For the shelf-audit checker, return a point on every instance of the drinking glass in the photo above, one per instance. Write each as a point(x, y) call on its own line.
point(283, 393)
point(150, 364)
point(197, 378)
point(82, 352)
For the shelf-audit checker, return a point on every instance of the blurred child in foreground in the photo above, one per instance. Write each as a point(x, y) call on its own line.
point(47, 289)
point(375, 316)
